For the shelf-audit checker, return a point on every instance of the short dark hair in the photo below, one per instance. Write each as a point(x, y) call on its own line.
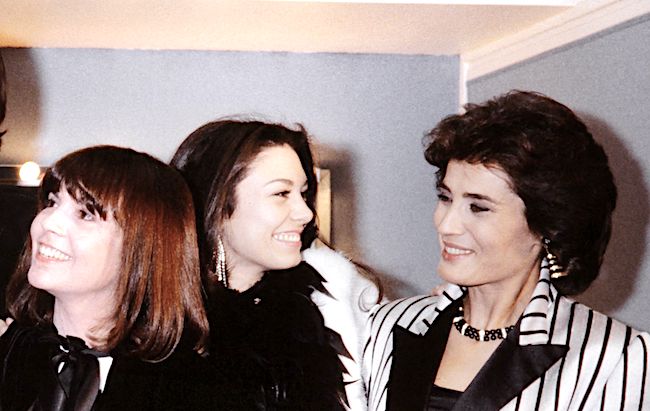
point(555, 166)
point(216, 157)
point(159, 291)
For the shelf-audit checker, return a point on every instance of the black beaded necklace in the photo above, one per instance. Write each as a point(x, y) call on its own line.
point(476, 334)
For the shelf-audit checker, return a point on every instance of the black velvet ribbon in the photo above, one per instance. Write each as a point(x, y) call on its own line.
point(76, 386)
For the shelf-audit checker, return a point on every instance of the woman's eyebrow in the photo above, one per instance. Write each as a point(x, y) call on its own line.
point(475, 196)
point(481, 197)
point(279, 180)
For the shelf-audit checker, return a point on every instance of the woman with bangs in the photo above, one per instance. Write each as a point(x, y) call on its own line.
point(107, 297)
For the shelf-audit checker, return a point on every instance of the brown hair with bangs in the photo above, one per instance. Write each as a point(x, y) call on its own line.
point(158, 297)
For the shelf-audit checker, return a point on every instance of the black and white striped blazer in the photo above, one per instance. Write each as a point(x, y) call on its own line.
point(561, 355)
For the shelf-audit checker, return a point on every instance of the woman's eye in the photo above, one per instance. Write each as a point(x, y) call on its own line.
point(443, 197)
point(477, 209)
point(52, 201)
point(86, 215)
point(284, 193)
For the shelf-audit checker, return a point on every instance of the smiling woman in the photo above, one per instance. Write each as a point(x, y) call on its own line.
point(280, 331)
point(75, 257)
point(481, 223)
point(523, 219)
point(107, 296)
point(264, 230)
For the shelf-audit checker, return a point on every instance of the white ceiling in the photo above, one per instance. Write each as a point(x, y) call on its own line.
point(468, 28)
point(356, 27)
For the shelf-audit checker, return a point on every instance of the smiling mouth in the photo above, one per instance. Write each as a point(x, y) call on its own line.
point(287, 237)
point(52, 253)
point(456, 251)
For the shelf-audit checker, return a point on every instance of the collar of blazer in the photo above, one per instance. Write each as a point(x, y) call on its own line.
point(534, 324)
point(522, 358)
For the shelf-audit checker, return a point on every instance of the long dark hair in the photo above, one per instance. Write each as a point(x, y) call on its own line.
point(216, 157)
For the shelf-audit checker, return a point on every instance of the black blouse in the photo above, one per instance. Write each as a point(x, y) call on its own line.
point(183, 381)
point(442, 399)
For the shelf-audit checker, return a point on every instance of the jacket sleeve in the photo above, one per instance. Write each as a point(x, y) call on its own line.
point(377, 355)
point(628, 386)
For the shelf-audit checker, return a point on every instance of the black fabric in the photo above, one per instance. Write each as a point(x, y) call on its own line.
point(442, 399)
point(183, 381)
point(510, 369)
point(271, 343)
point(76, 386)
point(416, 359)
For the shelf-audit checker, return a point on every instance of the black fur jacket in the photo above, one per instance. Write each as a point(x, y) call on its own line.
point(271, 344)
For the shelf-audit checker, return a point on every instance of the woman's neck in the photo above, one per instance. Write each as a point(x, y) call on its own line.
point(500, 305)
point(241, 280)
point(81, 320)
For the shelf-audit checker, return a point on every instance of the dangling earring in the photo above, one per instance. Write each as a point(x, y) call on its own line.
point(219, 261)
point(555, 269)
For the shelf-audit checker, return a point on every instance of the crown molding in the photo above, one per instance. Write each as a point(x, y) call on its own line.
point(586, 18)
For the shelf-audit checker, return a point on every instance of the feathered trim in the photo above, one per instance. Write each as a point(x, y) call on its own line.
point(272, 344)
point(346, 307)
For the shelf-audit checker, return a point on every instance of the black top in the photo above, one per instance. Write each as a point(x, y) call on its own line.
point(442, 399)
point(272, 343)
point(183, 381)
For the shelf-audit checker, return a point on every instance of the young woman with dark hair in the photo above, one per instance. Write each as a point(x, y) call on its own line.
point(107, 296)
point(286, 331)
point(523, 219)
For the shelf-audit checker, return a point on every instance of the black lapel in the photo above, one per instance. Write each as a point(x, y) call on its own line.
point(510, 369)
point(415, 362)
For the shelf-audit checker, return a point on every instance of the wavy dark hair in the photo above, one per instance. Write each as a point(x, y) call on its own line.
point(555, 166)
point(158, 298)
point(216, 157)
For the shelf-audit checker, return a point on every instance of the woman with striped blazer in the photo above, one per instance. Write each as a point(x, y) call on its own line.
point(523, 219)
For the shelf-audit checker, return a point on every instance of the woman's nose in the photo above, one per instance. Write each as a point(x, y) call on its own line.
point(301, 212)
point(53, 221)
point(448, 220)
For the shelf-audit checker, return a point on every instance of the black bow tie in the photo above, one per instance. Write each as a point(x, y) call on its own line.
point(76, 386)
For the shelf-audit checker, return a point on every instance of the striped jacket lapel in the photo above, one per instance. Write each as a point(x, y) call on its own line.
point(418, 345)
point(420, 322)
point(534, 325)
point(538, 317)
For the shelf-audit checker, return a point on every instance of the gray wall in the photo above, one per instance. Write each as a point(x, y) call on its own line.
point(366, 112)
point(606, 80)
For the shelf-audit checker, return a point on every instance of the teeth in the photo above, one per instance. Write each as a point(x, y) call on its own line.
point(456, 251)
point(52, 253)
point(289, 237)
